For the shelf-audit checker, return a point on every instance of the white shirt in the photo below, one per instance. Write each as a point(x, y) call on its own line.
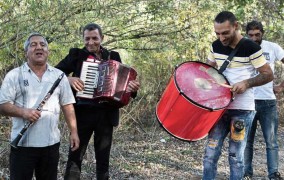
point(272, 53)
point(45, 131)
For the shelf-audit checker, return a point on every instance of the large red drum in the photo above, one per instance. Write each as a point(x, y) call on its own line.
point(193, 101)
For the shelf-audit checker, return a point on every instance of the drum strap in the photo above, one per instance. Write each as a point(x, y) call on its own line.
point(230, 57)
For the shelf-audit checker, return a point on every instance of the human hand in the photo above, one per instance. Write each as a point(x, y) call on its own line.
point(76, 83)
point(74, 141)
point(239, 87)
point(31, 115)
point(133, 86)
point(278, 89)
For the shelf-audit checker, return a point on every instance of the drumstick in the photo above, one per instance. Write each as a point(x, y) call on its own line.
point(225, 85)
point(221, 84)
point(211, 72)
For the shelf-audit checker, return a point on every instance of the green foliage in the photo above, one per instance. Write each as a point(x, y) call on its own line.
point(152, 35)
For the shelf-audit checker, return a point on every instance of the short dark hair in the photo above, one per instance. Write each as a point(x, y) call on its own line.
point(225, 16)
point(254, 25)
point(27, 42)
point(93, 26)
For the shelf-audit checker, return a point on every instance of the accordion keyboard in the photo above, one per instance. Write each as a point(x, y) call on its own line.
point(89, 75)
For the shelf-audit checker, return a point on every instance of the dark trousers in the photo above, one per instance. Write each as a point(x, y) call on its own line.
point(89, 121)
point(43, 161)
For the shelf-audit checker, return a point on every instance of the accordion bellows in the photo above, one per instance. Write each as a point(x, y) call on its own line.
point(106, 81)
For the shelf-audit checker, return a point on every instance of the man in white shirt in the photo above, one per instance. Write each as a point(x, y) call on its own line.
point(22, 90)
point(265, 105)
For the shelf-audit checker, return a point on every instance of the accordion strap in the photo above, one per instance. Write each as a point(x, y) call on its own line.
point(230, 57)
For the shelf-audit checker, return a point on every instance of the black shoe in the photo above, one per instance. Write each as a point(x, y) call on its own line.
point(276, 176)
point(247, 177)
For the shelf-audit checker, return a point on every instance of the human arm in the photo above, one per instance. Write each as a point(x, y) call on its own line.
point(265, 75)
point(70, 118)
point(133, 86)
point(66, 100)
point(279, 53)
point(8, 109)
point(76, 83)
point(10, 99)
point(68, 65)
point(279, 87)
point(72, 64)
point(211, 63)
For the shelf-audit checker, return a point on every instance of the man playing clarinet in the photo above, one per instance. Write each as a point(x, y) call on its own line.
point(23, 90)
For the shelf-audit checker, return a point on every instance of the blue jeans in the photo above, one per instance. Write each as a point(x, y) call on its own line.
point(237, 143)
point(268, 119)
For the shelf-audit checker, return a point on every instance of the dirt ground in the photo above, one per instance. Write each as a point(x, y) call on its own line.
point(152, 154)
point(158, 156)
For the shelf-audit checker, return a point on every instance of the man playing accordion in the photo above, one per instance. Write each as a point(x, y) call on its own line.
point(98, 117)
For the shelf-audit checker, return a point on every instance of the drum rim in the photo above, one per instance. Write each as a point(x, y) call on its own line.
point(189, 99)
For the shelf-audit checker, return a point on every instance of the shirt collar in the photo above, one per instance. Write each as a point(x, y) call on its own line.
point(27, 68)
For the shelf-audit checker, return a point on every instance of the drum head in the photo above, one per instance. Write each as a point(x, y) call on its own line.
point(201, 84)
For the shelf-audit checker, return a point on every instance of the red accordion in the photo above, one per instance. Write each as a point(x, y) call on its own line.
point(106, 81)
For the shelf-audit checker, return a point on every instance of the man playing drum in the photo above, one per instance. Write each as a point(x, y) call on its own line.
point(239, 115)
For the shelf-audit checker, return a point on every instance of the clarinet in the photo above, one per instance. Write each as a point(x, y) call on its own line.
point(15, 142)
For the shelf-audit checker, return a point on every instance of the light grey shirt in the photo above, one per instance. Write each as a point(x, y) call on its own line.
point(45, 131)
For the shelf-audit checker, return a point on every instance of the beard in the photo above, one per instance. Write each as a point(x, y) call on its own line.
point(229, 40)
point(258, 41)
